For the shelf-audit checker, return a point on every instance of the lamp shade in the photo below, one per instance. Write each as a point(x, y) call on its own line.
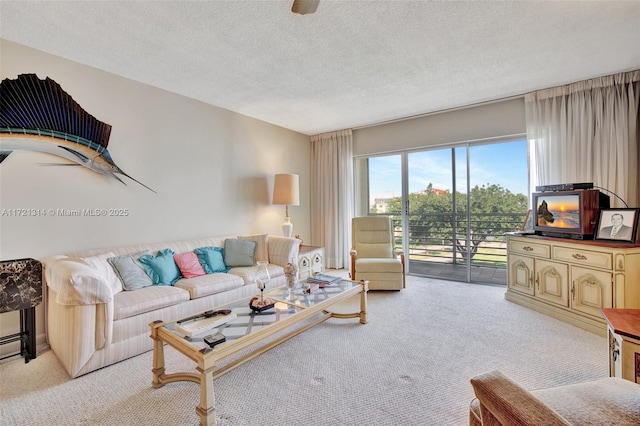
point(286, 190)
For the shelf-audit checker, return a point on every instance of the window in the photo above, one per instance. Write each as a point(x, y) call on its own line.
point(451, 206)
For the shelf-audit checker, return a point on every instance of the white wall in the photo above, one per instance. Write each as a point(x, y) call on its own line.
point(212, 170)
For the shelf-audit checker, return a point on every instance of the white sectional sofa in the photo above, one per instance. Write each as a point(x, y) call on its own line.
point(93, 322)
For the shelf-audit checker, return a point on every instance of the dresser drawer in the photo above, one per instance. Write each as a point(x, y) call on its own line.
point(584, 257)
point(531, 249)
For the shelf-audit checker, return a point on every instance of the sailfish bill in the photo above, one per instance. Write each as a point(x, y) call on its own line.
point(37, 115)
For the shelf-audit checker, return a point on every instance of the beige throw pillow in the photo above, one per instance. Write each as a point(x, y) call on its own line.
point(262, 247)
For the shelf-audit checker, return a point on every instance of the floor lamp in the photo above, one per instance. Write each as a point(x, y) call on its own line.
point(286, 191)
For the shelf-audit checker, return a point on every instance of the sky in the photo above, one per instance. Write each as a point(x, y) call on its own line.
point(561, 202)
point(504, 164)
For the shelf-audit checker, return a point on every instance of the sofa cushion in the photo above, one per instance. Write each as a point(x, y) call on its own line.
point(378, 265)
point(130, 271)
point(104, 268)
point(161, 268)
point(605, 401)
point(131, 303)
point(262, 245)
point(505, 402)
point(239, 253)
point(211, 259)
point(206, 285)
point(248, 273)
point(189, 264)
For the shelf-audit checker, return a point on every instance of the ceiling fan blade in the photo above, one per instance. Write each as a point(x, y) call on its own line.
point(304, 6)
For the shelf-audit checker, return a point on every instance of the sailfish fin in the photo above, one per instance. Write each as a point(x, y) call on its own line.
point(4, 154)
point(83, 157)
point(59, 164)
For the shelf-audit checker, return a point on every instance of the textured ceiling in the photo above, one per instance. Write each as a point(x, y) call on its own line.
point(351, 64)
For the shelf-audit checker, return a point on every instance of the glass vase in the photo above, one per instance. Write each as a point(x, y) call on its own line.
point(291, 273)
point(262, 276)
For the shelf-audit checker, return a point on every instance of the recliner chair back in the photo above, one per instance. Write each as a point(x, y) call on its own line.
point(372, 236)
point(373, 256)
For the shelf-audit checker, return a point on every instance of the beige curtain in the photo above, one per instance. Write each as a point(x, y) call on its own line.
point(588, 132)
point(332, 198)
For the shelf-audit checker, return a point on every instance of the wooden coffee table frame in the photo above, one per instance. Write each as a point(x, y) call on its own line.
point(206, 359)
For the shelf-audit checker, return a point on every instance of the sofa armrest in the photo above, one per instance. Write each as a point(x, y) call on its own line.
point(77, 283)
point(283, 250)
point(505, 401)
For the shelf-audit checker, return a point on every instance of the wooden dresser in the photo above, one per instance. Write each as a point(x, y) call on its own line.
point(573, 280)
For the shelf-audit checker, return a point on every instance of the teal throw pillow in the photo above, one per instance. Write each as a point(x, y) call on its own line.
point(211, 259)
point(130, 271)
point(162, 268)
point(239, 253)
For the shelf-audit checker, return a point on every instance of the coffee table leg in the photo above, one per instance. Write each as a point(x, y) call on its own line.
point(158, 363)
point(363, 302)
point(158, 356)
point(207, 408)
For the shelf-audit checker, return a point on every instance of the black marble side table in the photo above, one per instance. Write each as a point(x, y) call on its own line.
point(21, 289)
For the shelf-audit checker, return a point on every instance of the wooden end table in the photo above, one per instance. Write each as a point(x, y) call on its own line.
point(624, 343)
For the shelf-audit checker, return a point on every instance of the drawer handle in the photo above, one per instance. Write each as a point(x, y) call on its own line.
point(579, 256)
point(613, 347)
point(527, 248)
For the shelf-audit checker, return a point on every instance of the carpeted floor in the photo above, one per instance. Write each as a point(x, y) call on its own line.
point(410, 365)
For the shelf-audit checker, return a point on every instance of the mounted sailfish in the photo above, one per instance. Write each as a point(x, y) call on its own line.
point(37, 115)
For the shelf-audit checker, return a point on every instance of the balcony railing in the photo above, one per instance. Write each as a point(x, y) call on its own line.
point(442, 237)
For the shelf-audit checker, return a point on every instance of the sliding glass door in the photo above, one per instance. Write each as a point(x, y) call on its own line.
point(431, 213)
point(451, 206)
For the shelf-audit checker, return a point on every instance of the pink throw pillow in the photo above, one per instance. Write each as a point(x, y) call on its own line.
point(189, 264)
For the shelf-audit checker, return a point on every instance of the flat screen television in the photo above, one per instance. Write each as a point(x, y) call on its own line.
point(568, 214)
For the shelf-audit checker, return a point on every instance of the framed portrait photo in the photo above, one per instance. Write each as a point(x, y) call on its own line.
point(617, 225)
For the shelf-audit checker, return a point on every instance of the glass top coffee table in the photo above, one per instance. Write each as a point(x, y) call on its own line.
point(248, 335)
